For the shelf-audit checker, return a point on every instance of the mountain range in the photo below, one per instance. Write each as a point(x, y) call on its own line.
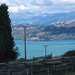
point(40, 18)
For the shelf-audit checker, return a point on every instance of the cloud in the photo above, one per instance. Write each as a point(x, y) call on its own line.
point(42, 2)
point(47, 6)
point(13, 9)
point(17, 9)
point(69, 1)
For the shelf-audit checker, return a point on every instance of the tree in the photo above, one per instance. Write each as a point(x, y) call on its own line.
point(8, 52)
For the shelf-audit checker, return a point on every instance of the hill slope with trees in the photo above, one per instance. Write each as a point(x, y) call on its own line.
point(62, 30)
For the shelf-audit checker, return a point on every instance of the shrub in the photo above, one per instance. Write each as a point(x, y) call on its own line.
point(70, 53)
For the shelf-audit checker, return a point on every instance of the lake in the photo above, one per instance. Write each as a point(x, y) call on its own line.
point(36, 48)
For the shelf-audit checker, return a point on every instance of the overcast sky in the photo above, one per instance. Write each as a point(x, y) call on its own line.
point(43, 6)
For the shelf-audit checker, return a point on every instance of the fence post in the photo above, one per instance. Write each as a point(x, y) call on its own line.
point(62, 59)
point(27, 71)
point(43, 61)
point(66, 69)
point(48, 71)
point(10, 71)
point(53, 71)
point(31, 70)
point(71, 66)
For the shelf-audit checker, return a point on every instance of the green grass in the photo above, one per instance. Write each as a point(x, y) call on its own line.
point(69, 73)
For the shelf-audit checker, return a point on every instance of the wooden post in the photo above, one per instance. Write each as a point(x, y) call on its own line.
point(71, 66)
point(62, 60)
point(25, 41)
point(43, 61)
point(27, 71)
point(45, 49)
point(66, 69)
point(10, 72)
point(31, 70)
point(48, 71)
point(53, 72)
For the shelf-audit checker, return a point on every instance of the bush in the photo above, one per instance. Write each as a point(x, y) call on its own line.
point(70, 53)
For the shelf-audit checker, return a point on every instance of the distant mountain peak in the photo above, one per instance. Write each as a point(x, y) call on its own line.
point(41, 18)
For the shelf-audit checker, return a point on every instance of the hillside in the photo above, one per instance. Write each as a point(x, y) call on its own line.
point(56, 31)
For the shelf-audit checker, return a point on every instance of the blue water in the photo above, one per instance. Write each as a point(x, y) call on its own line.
point(36, 48)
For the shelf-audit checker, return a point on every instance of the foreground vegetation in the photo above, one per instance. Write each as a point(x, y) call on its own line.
point(69, 73)
point(70, 53)
point(7, 50)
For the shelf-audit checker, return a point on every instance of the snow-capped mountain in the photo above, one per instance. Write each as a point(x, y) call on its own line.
point(40, 18)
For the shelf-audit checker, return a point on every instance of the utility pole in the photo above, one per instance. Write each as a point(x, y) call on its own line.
point(45, 49)
point(25, 41)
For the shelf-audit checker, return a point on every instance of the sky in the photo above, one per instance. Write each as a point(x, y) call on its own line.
point(42, 6)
